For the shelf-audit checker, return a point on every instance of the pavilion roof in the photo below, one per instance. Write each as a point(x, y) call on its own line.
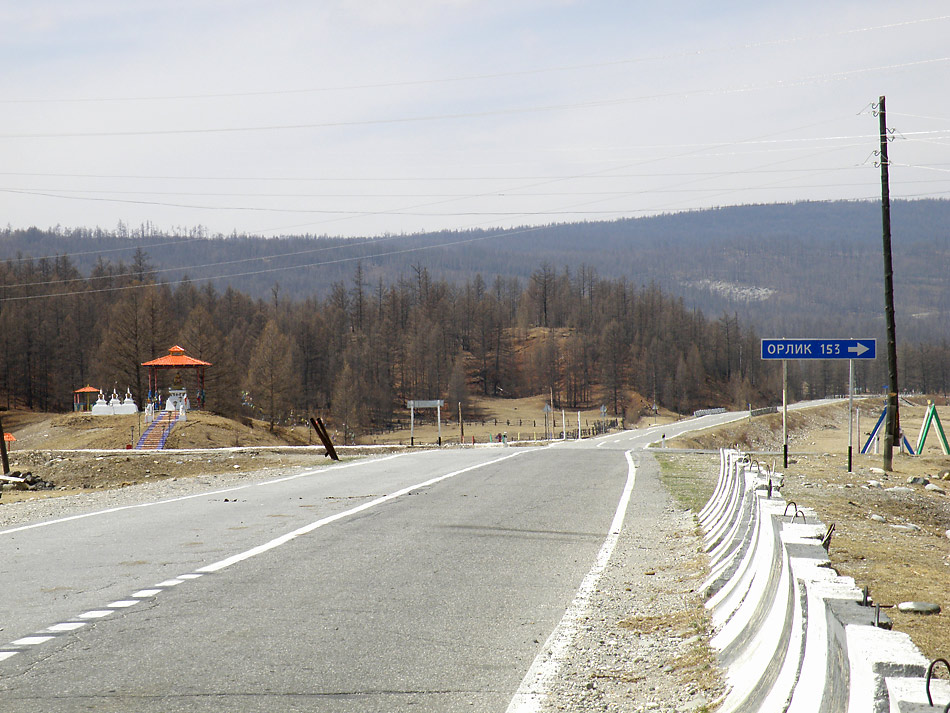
point(87, 390)
point(176, 357)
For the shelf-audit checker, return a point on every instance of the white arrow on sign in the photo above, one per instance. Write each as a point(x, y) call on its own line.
point(859, 349)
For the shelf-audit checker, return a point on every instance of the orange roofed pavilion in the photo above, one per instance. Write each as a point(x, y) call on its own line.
point(83, 398)
point(176, 359)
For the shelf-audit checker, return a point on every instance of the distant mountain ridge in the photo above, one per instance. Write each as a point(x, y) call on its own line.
point(801, 269)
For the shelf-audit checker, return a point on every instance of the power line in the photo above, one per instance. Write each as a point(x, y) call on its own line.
point(699, 53)
point(830, 77)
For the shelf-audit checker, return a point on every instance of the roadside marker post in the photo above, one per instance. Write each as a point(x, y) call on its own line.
point(807, 349)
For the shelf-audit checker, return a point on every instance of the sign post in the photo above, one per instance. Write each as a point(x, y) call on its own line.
point(786, 349)
point(437, 404)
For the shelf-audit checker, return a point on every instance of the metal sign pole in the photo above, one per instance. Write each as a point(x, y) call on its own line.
point(785, 413)
point(412, 424)
point(850, 411)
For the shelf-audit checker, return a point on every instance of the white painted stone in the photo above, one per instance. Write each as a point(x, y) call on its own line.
point(919, 607)
point(935, 489)
point(878, 518)
point(909, 527)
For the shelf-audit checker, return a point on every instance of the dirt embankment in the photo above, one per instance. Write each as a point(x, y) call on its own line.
point(79, 451)
point(892, 532)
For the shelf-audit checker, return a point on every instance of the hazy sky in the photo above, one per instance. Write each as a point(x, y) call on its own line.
point(349, 117)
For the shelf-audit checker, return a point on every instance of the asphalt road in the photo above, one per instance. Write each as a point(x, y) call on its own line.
point(427, 582)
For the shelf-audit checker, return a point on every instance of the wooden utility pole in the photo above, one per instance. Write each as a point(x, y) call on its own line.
point(3, 452)
point(892, 422)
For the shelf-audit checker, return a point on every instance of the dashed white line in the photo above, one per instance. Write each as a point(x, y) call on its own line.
point(217, 566)
point(66, 626)
point(31, 640)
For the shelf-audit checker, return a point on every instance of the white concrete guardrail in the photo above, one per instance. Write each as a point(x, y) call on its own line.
point(792, 634)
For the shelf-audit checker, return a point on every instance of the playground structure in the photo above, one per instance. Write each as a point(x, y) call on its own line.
point(931, 421)
point(875, 432)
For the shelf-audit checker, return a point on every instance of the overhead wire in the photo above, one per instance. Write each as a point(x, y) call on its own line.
point(828, 77)
point(482, 76)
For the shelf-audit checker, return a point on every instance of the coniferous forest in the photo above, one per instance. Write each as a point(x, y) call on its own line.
point(357, 347)
point(360, 352)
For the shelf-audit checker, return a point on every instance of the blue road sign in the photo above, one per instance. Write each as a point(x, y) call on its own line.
point(819, 349)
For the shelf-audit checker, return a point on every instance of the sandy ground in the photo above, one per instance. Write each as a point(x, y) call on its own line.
point(905, 557)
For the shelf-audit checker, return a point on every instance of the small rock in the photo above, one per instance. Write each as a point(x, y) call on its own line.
point(900, 489)
point(919, 607)
point(878, 471)
point(934, 488)
point(878, 518)
point(875, 484)
point(917, 480)
point(909, 527)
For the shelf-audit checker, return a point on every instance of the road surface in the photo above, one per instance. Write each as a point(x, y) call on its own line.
point(431, 581)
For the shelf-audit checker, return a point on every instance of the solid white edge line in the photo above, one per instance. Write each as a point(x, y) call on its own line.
point(107, 511)
point(534, 687)
point(283, 539)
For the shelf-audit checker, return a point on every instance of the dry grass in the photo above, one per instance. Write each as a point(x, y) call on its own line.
point(696, 665)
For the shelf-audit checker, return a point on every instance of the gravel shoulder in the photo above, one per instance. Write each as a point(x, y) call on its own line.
point(643, 643)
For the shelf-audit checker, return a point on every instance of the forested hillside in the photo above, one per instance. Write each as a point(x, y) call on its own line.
point(671, 307)
point(805, 269)
point(361, 351)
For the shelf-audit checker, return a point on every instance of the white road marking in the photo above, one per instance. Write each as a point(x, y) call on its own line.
point(123, 603)
point(217, 566)
point(66, 626)
point(283, 539)
point(198, 495)
point(536, 683)
point(31, 640)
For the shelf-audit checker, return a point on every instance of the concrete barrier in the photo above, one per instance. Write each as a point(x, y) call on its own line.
point(792, 634)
